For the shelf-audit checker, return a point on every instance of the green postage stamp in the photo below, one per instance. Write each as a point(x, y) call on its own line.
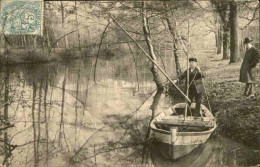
point(22, 17)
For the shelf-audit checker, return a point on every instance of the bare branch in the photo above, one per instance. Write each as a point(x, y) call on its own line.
point(253, 18)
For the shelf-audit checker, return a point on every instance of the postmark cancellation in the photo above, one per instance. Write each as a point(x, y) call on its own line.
point(22, 17)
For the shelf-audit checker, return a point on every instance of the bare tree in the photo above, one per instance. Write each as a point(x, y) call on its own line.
point(77, 24)
point(171, 22)
point(222, 9)
point(66, 43)
point(234, 48)
point(156, 78)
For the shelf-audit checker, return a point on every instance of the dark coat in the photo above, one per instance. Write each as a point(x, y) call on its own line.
point(248, 69)
point(195, 78)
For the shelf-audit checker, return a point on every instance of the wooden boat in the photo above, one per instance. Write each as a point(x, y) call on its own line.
point(180, 135)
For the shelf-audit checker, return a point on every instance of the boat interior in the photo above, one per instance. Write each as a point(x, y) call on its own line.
point(175, 117)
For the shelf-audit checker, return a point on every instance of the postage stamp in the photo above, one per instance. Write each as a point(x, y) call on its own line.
point(22, 17)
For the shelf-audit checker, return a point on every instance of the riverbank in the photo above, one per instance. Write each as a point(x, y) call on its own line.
point(238, 117)
point(38, 56)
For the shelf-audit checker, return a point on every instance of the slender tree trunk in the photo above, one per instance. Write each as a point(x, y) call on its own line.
point(45, 41)
point(22, 41)
point(172, 29)
point(157, 80)
point(25, 42)
point(77, 23)
point(219, 40)
point(225, 42)
point(234, 47)
point(135, 62)
point(62, 24)
point(174, 40)
point(101, 41)
point(35, 41)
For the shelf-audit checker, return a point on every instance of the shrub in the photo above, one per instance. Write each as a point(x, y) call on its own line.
point(34, 56)
point(68, 54)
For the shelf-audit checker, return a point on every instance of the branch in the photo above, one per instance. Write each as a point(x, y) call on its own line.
point(201, 6)
point(101, 41)
point(6, 127)
point(253, 18)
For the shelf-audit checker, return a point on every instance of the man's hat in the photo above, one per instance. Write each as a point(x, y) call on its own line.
point(192, 59)
point(247, 40)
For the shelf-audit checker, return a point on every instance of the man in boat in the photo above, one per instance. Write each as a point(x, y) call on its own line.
point(195, 87)
point(248, 71)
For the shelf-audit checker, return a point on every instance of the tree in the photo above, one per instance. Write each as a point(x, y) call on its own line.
point(63, 23)
point(77, 24)
point(233, 18)
point(222, 8)
point(172, 29)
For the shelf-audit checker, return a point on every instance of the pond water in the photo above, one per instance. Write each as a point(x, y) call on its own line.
point(63, 118)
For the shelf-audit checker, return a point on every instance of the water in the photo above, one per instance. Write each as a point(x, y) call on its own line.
point(63, 118)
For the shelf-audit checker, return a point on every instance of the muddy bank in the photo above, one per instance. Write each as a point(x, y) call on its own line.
point(237, 117)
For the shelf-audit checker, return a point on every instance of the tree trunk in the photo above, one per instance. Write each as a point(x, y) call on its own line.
point(172, 29)
point(100, 44)
point(62, 23)
point(234, 47)
point(46, 40)
point(77, 23)
point(25, 42)
point(225, 42)
point(35, 41)
point(219, 40)
point(156, 78)
point(135, 62)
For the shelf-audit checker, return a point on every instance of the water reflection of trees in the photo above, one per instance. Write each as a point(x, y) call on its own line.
point(14, 100)
point(122, 143)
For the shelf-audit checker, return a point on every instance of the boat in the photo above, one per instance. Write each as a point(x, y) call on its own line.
point(179, 135)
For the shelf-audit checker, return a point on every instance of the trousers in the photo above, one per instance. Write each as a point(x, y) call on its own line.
point(249, 89)
point(198, 99)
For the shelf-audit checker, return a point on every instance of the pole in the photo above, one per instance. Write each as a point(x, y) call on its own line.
point(149, 58)
point(188, 68)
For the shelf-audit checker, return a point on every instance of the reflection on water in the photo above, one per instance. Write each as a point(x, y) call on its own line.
point(60, 117)
point(224, 152)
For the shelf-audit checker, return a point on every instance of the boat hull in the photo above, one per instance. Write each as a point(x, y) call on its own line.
point(176, 144)
point(175, 152)
point(185, 143)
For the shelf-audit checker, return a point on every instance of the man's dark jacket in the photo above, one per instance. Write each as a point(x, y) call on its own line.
point(195, 78)
point(248, 69)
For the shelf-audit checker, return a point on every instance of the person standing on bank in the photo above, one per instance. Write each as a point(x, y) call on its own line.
point(195, 87)
point(248, 71)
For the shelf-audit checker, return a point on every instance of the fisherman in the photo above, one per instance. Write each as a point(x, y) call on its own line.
point(195, 87)
point(248, 71)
